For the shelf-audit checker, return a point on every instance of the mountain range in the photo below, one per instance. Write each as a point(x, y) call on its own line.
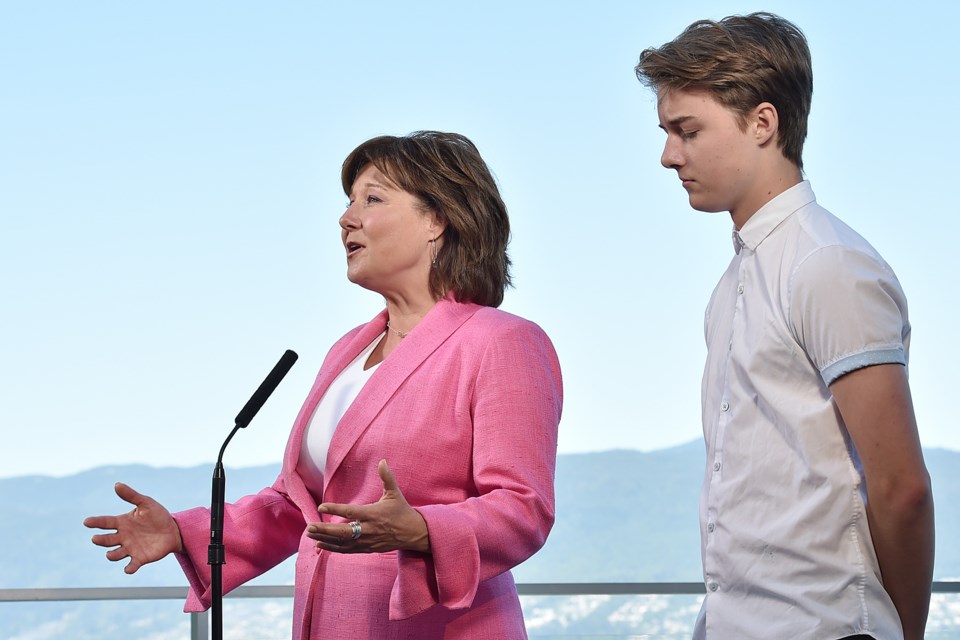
point(622, 516)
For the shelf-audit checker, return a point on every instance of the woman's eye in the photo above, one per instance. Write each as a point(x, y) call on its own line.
point(371, 199)
point(688, 135)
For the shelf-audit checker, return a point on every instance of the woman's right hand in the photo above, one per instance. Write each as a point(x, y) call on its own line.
point(145, 535)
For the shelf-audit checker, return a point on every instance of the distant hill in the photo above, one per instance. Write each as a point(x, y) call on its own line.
point(622, 516)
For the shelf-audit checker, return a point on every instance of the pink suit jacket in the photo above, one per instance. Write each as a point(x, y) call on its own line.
point(465, 411)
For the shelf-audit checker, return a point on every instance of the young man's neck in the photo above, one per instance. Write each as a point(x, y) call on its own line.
point(782, 175)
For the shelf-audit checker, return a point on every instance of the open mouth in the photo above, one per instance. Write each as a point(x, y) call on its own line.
point(352, 248)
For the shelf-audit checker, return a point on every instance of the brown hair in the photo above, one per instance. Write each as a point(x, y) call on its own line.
point(447, 174)
point(742, 61)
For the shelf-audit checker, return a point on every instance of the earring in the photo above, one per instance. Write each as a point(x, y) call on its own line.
point(434, 252)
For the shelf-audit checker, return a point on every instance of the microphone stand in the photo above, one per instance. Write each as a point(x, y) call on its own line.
point(216, 555)
point(215, 551)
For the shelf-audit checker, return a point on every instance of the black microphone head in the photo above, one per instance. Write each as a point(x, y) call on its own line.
point(271, 382)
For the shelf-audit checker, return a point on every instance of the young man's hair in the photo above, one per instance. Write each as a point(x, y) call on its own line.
point(742, 61)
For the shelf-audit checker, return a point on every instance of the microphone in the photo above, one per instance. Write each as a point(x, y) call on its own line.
point(216, 555)
point(266, 388)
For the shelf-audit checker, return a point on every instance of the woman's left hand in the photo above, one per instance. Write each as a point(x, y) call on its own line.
point(390, 524)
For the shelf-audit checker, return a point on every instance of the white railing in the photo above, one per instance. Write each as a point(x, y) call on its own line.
point(199, 623)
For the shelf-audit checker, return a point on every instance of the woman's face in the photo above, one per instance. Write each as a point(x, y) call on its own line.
point(387, 232)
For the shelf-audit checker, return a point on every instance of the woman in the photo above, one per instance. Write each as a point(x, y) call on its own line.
point(441, 394)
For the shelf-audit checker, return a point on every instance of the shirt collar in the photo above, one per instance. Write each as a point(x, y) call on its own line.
point(737, 242)
point(769, 216)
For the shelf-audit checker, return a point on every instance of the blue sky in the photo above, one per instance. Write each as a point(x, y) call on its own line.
point(169, 196)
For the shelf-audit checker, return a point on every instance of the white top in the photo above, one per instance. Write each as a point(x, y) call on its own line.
point(785, 542)
point(319, 431)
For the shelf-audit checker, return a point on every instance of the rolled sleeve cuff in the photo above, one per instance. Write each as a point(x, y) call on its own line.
point(193, 559)
point(841, 367)
point(449, 575)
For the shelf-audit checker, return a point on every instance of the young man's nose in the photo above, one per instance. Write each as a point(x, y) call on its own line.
point(671, 157)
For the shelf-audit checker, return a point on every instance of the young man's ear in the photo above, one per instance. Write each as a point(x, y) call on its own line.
point(766, 123)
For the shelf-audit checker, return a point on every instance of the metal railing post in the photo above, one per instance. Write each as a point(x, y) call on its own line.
point(199, 626)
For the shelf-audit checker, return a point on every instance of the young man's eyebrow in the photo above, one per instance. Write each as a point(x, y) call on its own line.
point(673, 122)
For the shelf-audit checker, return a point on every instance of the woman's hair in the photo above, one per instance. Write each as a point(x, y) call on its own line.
point(451, 180)
point(742, 61)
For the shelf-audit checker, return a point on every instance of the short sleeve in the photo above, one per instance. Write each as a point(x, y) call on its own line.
point(848, 311)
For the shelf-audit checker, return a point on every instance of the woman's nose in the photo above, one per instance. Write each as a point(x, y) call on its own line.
point(349, 220)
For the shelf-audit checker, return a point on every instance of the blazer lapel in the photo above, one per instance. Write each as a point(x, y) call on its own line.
point(438, 325)
point(336, 361)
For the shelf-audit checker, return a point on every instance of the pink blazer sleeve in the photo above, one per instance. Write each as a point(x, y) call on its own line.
point(516, 406)
point(259, 532)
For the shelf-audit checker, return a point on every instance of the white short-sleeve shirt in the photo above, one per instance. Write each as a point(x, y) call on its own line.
point(785, 541)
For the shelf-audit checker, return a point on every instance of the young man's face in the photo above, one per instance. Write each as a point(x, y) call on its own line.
point(717, 162)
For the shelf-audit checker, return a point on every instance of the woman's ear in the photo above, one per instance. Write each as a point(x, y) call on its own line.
point(436, 226)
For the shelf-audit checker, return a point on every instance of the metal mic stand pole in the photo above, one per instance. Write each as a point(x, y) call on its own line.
point(215, 551)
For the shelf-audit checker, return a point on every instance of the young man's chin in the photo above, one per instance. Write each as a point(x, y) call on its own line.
point(705, 206)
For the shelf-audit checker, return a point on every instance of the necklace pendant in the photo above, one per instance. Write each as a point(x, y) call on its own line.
point(402, 334)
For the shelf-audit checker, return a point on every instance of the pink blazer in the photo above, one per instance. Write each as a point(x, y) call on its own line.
point(465, 411)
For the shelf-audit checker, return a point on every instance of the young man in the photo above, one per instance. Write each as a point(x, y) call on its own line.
point(816, 513)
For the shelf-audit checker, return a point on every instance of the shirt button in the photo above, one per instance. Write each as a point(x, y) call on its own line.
point(714, 586)
point(711, 526)
point(740, 288)
point(716, 466)
point(724, 405)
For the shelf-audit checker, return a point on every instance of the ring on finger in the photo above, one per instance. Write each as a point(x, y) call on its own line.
point(355, 530)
